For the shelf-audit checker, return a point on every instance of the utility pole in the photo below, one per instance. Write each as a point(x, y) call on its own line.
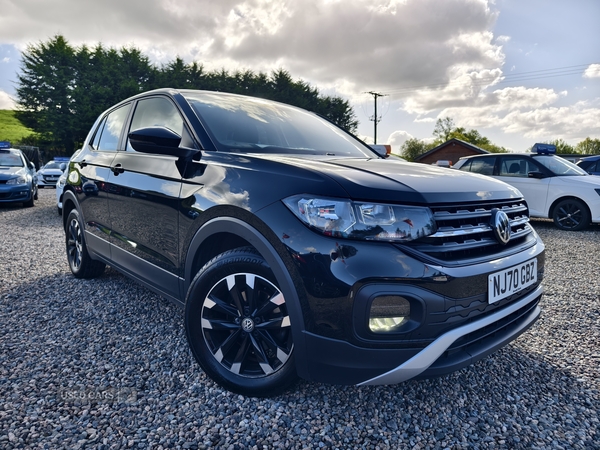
point(376, 119)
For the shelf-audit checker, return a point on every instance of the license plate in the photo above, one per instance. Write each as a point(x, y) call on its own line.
point(510, 281)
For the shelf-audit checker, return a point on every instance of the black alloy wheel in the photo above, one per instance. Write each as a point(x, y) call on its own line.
point(238, 326)
point(82, 266)
point(571, 215)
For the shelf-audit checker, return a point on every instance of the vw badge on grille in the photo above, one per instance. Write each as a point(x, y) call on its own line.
point(500, 226)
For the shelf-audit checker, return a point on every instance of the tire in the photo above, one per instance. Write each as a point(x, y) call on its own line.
point(571, 215)
point(35, 195)
point(59, 210)
point(82, 266)
point(238, 327)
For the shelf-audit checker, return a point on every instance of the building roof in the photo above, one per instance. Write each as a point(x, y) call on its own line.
point(449, 142)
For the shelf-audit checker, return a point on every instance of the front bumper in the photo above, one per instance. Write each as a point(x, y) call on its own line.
point(452, 323)
point(15, 193)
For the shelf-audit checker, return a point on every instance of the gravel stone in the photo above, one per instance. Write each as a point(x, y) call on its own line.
point(104, 364)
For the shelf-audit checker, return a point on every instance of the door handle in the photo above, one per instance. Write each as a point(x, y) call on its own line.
point(117, 169)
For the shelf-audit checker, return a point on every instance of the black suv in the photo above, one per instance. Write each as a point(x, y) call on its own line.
point(295, 249)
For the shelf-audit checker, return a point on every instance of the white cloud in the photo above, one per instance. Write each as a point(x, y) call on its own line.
point(593, 71)
point(5, 60)
point(397, 138)
point(6, 102)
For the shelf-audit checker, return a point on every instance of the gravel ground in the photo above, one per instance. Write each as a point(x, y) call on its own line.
point(105, 364)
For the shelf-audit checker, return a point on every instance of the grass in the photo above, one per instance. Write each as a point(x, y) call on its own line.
point(11, 129)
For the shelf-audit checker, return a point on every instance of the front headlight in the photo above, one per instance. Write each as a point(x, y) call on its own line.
point(362, 220)
point(17, 180)
point(61, 181)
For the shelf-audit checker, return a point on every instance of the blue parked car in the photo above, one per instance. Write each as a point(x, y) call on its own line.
point(18, 183)
point(591, 164)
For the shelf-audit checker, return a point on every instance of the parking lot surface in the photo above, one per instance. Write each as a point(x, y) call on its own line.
point(104, 363)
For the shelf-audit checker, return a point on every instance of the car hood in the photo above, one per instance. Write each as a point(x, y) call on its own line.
point(394, 180)
point(50, 171)
point(592, 181)
point(7, 173)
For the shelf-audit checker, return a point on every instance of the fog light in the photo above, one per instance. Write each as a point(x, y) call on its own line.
point(388, 313)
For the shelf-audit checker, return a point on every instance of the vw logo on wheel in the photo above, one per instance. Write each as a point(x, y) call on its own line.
point(247, 324)
point(500, 226)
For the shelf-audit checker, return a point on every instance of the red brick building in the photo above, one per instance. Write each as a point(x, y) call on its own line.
point(451, 150)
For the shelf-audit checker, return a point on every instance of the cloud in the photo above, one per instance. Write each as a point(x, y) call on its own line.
point(371, 44)
point(593, 71)
point(6, 102)
point(397, 138)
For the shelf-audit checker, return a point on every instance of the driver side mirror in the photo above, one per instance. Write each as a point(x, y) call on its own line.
point(160, 141)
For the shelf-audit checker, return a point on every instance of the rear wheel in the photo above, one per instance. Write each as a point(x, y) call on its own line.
point(82, 266)
point(571, 214)
point(238, 327)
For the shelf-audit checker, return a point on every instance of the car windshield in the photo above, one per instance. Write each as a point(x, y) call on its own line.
point(560, 166)
point(52, 165)
point(252, 125)
point(10, 160)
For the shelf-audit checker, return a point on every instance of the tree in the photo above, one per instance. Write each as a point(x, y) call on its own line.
point(45, 91)
point(562, 147)
point(62, 89)
point(588, 146)
point(413, 148)
point(443, 128)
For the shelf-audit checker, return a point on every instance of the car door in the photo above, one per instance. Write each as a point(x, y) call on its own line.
point(514, 170)
point(89, 176)
point(143, 193)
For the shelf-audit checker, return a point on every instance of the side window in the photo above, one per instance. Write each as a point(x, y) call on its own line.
point(109, 131)
point(156, 111)
point(484, 166)
point(515, 167)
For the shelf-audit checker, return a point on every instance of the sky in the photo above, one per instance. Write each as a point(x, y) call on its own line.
point(518, 71)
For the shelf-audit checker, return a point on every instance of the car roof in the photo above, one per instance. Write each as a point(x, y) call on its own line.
point(493, 155)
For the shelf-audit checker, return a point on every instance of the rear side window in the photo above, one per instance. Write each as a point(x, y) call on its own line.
point(109, 131)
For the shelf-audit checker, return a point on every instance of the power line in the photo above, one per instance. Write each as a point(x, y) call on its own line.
point(508, 78)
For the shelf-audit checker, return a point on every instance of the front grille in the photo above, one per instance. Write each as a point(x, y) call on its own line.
point(464, 231)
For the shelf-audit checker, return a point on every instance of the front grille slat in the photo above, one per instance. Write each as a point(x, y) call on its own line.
point(464, 231)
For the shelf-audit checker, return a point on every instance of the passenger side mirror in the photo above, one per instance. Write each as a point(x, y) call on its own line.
point(159, 141)
point(536, 174)
point(63, 166)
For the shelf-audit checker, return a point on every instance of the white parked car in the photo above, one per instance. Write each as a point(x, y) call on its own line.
point(552, 186)
point(49, 174)
point(60, 185)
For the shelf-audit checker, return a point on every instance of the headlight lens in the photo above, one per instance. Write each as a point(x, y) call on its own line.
point(61, 181)
point(17, 180)
point(362, 220)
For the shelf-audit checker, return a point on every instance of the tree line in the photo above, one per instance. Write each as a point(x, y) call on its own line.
point(62, 89)
point(445, 129)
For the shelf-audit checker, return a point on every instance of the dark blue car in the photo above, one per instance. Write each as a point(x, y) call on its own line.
point(591, 164)
point(17, 178)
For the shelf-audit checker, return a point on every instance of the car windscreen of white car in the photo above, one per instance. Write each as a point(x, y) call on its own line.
point(560, 166)
point(52, 165)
